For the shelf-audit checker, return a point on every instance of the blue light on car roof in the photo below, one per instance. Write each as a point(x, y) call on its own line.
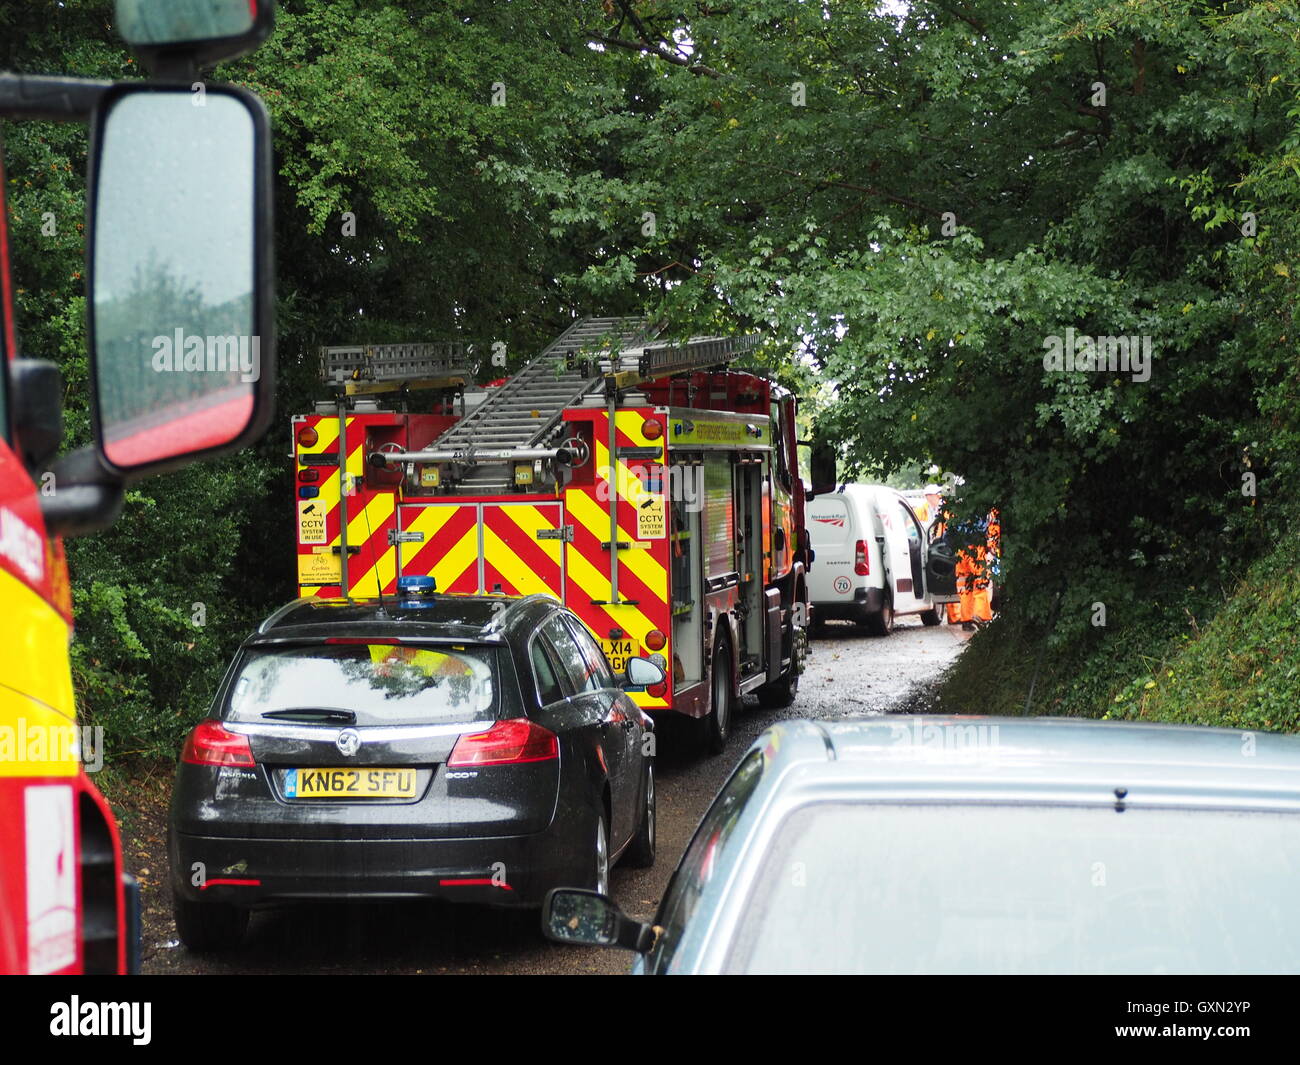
point(416, 585)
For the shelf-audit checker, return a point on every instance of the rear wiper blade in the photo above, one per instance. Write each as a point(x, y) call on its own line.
point(314, 713)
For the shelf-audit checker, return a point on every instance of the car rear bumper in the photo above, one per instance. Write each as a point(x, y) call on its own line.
point(500, 870)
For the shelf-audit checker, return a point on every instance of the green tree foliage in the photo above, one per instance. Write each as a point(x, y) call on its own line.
point(908, 200)
point(918, 201)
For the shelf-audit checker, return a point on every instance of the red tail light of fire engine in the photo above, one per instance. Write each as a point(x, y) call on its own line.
point(210, 744)
point(655, 640)
point(307, 437)
point(861, 565)
point(309, 475)
point(506, 743)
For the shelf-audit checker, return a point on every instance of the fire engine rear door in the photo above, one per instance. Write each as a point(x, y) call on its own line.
point(470, 547)
point(440, 540)
point(523, 548)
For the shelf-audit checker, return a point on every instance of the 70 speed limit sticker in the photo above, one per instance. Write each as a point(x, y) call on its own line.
point(842, 584)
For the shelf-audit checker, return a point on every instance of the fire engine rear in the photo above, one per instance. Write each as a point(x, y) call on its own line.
point(642, 483)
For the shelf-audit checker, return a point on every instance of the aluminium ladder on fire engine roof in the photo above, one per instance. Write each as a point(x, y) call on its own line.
point(592, 354)
point(522, 412)
point(366, 369)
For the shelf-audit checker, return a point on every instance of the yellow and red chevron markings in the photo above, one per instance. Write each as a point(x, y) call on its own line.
point(491, 544)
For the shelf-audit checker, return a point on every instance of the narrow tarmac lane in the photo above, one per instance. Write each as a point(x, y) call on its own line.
point(849, 675)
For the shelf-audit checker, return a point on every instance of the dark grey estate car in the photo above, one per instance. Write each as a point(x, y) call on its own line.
point(456, 747)
point(981, 845)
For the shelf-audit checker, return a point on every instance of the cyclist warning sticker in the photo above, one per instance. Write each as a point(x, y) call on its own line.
point(320, 570)
point(651, 522)
point(311, 521)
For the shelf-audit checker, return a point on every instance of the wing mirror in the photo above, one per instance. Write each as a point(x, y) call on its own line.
point(180, 277)
point(38, 409)
point(642, 673)
point(194, 33)
point(587, 918)
point(823, 464)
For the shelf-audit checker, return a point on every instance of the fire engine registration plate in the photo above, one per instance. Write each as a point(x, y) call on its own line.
point(618, 652)
point(349, 784)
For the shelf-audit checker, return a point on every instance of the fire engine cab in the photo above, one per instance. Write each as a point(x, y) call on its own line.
point(641, 482)
point(67, 903)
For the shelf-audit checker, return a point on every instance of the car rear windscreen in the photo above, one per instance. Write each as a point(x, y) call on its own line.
point(867, 888)
point(383, 684)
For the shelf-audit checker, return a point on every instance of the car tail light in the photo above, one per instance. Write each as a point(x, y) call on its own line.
point(861, 566)
point(506, 743)
point(210, 744)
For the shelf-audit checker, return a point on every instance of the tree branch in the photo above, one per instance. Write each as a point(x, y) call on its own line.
point(970, 20)
point(830, 183)
point(659, 53)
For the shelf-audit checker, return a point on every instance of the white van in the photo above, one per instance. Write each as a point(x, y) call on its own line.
point(871, 560)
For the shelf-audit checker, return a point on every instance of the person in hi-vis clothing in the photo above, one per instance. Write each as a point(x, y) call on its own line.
point(974, 599)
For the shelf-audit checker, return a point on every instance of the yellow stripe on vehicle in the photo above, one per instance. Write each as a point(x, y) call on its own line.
point(366, 525)
point(521, 577)
point(595, 517)
point(631, 423)
point(368, 520)
point(37, 711)
point(448, 567)
point(379, 576)
point(528, 520)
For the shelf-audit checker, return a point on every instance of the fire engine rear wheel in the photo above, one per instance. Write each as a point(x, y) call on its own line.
point(209, 926)
point(717, 725)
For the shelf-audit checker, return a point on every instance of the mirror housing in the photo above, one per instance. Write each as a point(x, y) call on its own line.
point(824, 468)
point(179, 275)
point(37, 387)
point(642, 673)
point(578, 917)
point(182, 36)
point(86, 498)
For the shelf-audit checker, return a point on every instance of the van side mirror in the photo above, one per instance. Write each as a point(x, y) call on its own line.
point(824, 468)
point(180, 286)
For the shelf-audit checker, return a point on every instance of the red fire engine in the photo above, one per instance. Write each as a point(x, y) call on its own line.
point(651, 489)
point(67, 904)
